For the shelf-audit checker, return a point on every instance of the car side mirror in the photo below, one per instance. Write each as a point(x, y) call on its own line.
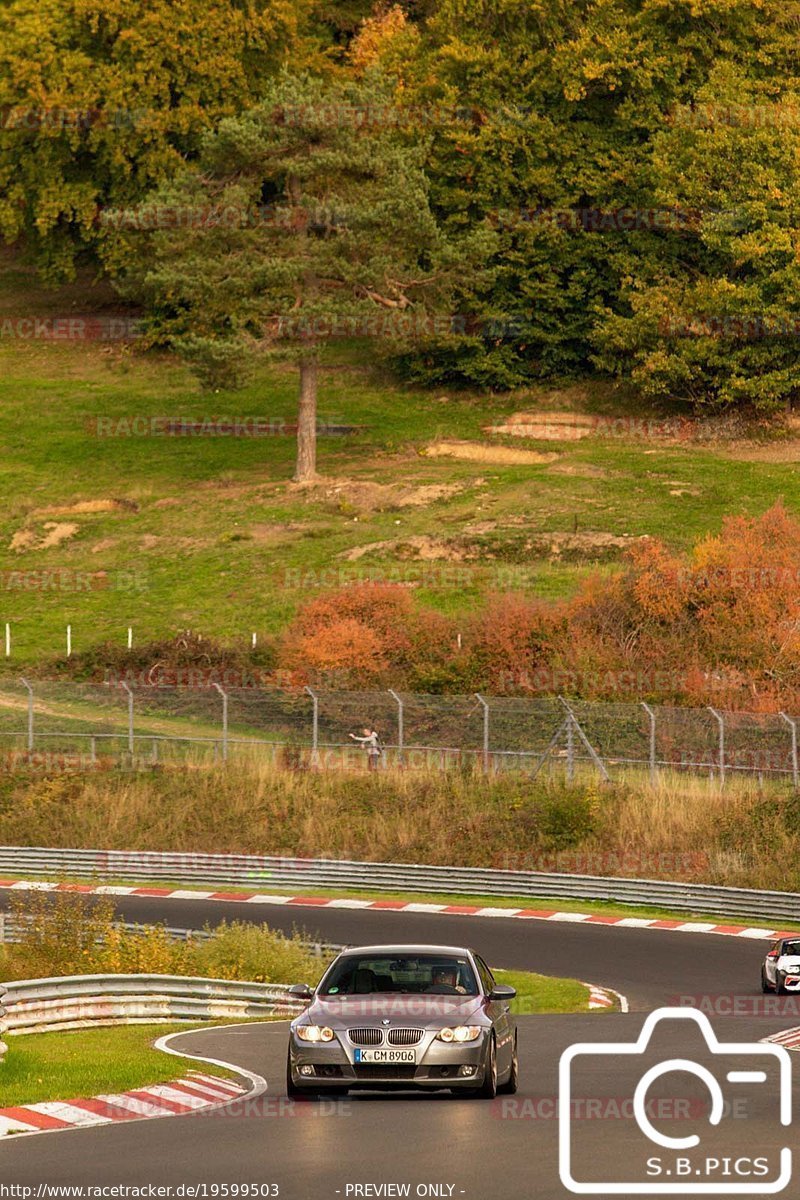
point(301, 991)
point(502, 991)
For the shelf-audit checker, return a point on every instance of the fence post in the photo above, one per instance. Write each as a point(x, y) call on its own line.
point(652, 717)
point(481, 701)
point(573, 726)
point(129, 694)
point(570, 740)
point(793, 727)
point(400, 729)
point(721, 721)
point(30, 711)
point(224, 722)
point(315, 728)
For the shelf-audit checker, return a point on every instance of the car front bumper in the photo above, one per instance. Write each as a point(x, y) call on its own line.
point(440, 1065)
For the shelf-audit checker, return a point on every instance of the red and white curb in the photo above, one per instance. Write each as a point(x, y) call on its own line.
point(403, 906)
point(193, 1092)
point(605, 998)
point(790, 1038)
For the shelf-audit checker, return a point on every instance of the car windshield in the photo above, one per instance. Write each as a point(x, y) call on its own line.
point(791, 948)
point(367, 974)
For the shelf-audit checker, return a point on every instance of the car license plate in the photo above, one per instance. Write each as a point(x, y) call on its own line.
point(383, 1055)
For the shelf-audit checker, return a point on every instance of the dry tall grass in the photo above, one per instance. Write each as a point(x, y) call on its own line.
point(681, 827)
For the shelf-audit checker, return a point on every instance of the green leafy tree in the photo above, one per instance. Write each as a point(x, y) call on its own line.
point(306, 220)
point(554, 116)
point(713, 316)
point(100, 100)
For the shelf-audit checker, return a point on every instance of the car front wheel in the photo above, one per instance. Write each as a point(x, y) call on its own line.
point(780, 990)
point(512, 1083)
point(764, 981)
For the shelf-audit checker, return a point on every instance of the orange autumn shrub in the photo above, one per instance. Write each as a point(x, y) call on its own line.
point(363, 634)
point(719, 627)
point(510, 644)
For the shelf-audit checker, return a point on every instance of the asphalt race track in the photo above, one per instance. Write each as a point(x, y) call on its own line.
point(649, 966)
point(505, 1150)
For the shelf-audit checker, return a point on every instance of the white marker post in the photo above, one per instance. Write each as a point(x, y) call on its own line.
point(130, 636)
point(8, 640)
point(253, 642)
point(69, 641)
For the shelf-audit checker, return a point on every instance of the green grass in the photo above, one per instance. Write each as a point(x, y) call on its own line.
point(212, 536)
point(87, 1062)
point(542, 994)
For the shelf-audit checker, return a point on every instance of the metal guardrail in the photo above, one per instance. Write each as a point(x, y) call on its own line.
point(74, 1002)
point(257, 873)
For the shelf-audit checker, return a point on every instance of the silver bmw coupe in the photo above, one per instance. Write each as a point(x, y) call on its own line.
point(407, 1017)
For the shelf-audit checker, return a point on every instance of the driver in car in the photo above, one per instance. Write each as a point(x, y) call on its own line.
point(445, 978)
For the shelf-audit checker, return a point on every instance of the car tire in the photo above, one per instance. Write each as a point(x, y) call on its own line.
point(512, 1083)
point(780, 990)
point(488, 1089)
point(765, 987)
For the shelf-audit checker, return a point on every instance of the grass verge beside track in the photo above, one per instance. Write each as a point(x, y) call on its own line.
point(542, 994)
point(85, 1062)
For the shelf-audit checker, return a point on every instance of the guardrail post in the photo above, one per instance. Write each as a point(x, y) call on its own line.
point(224, 722)
point(721, 722)
point(481, 701)
point(25, 683)
point(400, 730)
point(793, 727)
point(314, 728)
point(652, 717)
point(129, 694)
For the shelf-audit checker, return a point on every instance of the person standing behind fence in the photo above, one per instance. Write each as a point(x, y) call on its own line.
point(372, 744)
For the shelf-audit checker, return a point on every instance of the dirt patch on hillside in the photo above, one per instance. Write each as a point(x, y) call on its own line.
point(52, 533)
point(86, 507)
point(367, 496)
point(266, 534)
point(774, 452)
point(578, 470)
point(545, 426)
point(419, 547)
point(587, 545)
point(491, 541)
point(480, 452)
point(559, 426)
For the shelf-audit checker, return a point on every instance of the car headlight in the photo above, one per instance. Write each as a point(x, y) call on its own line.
point(795, 970)
point(314, 1033)
point(461, 1033)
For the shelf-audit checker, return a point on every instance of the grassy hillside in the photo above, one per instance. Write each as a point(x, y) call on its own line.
point(679, 828)
point(208, 532)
